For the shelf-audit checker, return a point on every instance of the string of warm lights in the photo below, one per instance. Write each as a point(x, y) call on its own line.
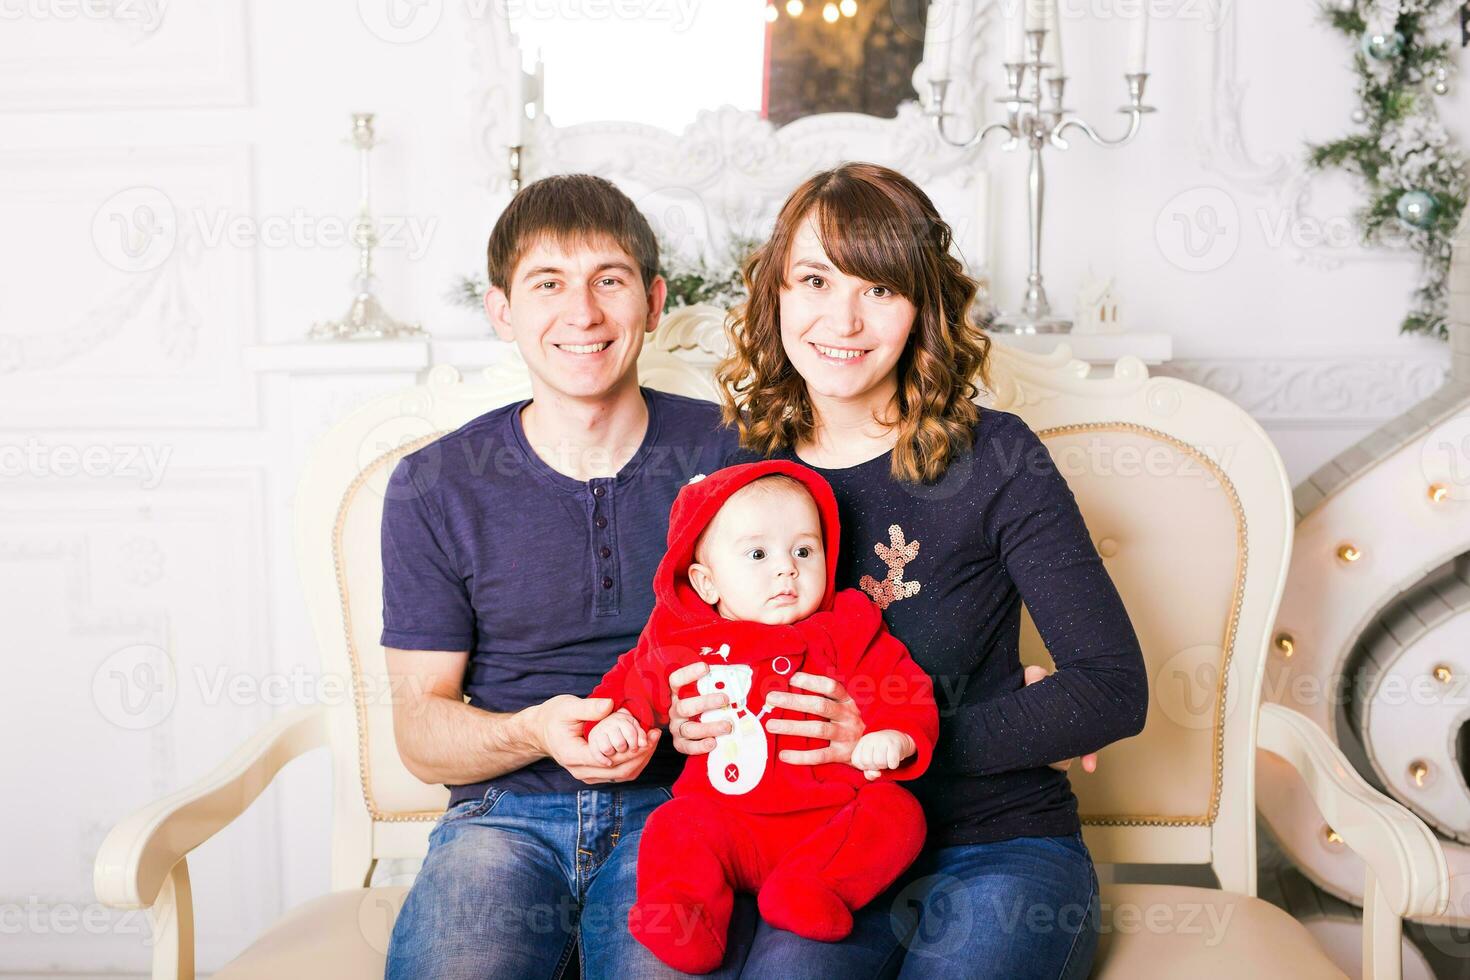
point(1420, 771)
point(831, 12)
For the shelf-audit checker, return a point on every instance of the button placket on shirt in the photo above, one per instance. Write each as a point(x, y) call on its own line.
point(604, 580)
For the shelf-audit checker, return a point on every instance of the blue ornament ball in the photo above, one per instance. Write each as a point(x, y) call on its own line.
point(1381, 47)
point(1417, 208)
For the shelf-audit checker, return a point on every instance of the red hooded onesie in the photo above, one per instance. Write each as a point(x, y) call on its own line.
point(815, 842)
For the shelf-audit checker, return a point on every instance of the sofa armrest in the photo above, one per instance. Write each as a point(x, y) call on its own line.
point(1407, 873)
point(140, 852)
point(1402, 853)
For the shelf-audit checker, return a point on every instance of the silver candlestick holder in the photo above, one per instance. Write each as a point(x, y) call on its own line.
point(1038, 126)
point(365, 319)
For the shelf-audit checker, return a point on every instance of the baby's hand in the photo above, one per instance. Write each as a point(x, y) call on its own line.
point(618, 732)
point(881, 750)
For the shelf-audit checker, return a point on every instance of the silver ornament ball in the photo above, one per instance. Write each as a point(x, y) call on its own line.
point(1381, 47)
point(1417, 208)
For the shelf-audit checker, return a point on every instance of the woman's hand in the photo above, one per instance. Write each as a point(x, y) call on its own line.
point(838, 721)
point(1089, 761)
point(691, 737)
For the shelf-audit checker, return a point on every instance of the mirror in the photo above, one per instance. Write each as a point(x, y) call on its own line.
point(660, 62)
point(847, 56)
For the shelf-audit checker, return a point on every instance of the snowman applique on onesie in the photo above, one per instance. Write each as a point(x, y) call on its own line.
point(814, 842)
point(736, 765)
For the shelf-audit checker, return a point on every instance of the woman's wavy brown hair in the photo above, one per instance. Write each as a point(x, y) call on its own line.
point(877, 225)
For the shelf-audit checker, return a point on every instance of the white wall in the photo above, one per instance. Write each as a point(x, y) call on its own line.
point(1304, 335)
point(235, 111)
point(177, 536)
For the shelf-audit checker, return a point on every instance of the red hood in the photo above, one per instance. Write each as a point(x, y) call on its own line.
point(696, 506)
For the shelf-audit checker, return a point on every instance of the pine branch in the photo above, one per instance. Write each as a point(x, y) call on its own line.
point(1392, 94)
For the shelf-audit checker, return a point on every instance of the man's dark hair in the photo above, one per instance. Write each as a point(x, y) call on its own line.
point(569, 209)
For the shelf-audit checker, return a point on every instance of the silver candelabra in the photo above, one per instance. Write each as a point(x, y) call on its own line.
point(1026, 119)
point(365, 319)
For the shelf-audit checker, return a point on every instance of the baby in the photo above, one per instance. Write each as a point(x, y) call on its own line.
point(747, 585)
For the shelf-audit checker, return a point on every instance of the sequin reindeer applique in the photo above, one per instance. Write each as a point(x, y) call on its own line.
point(896, 554)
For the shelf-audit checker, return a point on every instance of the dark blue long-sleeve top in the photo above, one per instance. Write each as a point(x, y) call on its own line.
point(951, 562)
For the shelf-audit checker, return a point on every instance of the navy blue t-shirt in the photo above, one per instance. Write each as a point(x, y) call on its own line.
point(545, 579)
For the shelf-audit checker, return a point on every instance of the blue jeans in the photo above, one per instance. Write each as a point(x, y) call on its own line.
point(1021, 908)
point(513, 883)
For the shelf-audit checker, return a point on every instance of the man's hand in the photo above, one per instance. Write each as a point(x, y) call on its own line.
point(618, 733)
point(1035, 673)
point(838, 721)
point(557, 725)
point(877, 751)
point(691, 736)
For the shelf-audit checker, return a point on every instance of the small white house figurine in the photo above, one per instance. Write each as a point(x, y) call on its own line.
point(1097, 306)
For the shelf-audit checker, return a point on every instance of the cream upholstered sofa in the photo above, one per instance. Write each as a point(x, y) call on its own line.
point(1189, 506)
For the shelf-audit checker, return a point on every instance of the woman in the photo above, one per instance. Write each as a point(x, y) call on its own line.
point(854, 356)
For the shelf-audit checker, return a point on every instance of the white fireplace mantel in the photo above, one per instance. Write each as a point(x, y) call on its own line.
point(1101, 350)
point(374, 356)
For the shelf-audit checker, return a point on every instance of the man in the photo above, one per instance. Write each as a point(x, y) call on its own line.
point(518, 558)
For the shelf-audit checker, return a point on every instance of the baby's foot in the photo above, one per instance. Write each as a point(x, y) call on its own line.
point(805, 905)
point(678, 930)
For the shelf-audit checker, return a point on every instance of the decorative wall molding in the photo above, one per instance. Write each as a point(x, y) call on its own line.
point(1287, 181)
point(495, 66)
point(140, 54)
point(1364, 389)
point(160, 299)
point(1221, 139)
point(144, 321)
point(199, 538)
point(727, 152)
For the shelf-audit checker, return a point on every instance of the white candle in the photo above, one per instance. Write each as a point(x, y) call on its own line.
point(1138, 45)
point(1051, 51)
point(1041, 15)
point(526, 95)
point(1015, 16)
point(938, 37)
